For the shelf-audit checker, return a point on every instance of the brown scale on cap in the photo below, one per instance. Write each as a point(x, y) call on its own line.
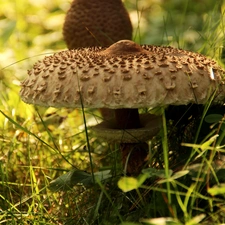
point(96, 23)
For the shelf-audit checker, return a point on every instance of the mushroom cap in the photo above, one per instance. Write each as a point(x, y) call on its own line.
point(96, 23)
point(151, 125)
point(125, 75)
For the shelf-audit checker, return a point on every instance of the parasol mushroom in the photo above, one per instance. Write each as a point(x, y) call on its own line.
point(124, 76)
point(96, 23)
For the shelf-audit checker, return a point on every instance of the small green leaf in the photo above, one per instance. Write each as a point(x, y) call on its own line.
point(213, 118)
point(206, 144)
point(217, 189)
point(175, 176)
point(155, 172)
point(128, 184)
point(103, 175)
point(66, 181)
point(179, 174)
point(76, 177)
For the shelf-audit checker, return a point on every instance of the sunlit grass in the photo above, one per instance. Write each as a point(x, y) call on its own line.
point(38, 145)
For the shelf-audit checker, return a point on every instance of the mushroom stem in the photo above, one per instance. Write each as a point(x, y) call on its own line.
point(107, 114)
point(133, 154)
point(127, 118)
point(134, 157)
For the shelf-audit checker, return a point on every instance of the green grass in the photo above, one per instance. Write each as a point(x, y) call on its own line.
point(39, 145)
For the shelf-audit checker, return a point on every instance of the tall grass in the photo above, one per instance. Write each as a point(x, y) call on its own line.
point(39, 145)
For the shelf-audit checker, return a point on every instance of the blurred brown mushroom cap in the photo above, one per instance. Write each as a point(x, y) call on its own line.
point(96, 23)
point(125, 75)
